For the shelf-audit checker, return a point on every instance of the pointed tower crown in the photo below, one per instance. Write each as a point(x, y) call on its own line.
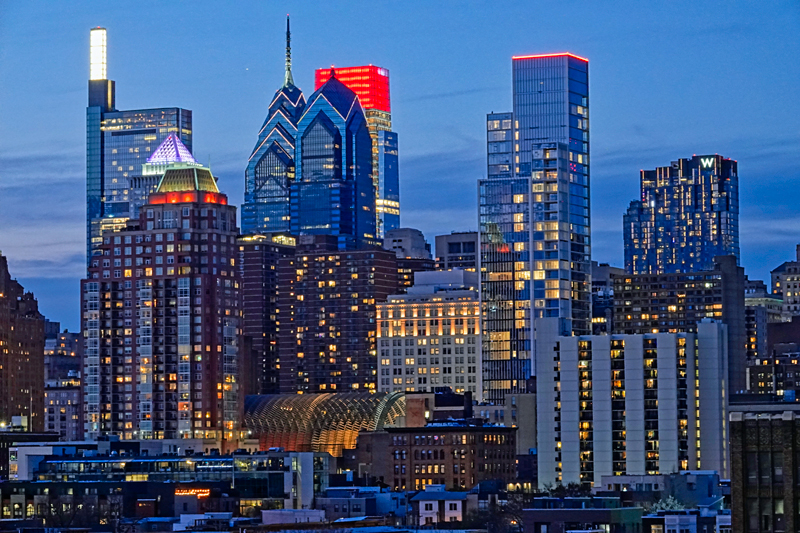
point(171, 150)
point(288, 79)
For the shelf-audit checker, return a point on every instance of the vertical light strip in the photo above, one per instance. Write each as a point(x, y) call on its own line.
point(97, 54)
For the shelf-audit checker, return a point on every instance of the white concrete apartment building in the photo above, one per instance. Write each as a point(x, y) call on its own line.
point(430, 337)
point(630, 404)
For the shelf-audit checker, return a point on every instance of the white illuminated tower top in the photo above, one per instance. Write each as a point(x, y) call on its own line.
point(97, 54)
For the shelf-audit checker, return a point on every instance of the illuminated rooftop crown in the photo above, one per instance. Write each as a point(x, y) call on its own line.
point(172, 150)
point(180, 179)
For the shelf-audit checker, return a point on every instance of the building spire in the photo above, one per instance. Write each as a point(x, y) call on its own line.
point(288, 81)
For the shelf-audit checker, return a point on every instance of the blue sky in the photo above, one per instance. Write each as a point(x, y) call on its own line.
point(667, 80)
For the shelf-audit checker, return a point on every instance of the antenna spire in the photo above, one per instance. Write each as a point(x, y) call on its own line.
point(288, 80)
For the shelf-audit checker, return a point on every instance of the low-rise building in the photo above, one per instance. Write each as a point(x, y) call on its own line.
point(435, 505)
point(456, 454)
point(350, 502)
point(560, 515)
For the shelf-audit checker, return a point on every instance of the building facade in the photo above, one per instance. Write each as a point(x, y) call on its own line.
point(327, 301)
point(407, 243)
point(371, 84)
point(765, 445)
point(786, 285)
point(430, 337)
point(688, 213)
point(21, 353)
point(673, 303)
point(117, 144)
point(458, 250)
point(333, 193)
point(259, 259)
point(456, 454)
point(631, 404)
point(603, 296)
point(535, 244)
point(271, 168)
point(161, 318)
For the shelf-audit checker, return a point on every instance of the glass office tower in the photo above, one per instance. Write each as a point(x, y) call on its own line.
point(271, 169)
point(688, 214)
point(534, 217)
point(118, 143)
point(371, 84)
point(333, 193)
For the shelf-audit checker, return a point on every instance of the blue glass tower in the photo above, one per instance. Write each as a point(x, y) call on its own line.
point(271, 167)
point(535, 255)
point(118, 143)
point(688, 214)
point(389, 184)
point(333, 193)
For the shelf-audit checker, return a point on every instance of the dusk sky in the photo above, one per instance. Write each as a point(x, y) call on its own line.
point(667, 80)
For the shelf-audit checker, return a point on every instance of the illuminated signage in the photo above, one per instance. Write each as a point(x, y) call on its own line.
point(707, 162)
point(200, 493)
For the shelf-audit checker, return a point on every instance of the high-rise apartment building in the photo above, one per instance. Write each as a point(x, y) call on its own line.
point(688, 213)
point(458, 249)
point(430, 338)
point(371, 84)
point(675, 303)
point(117, 144)
point(327, 315)
point(534, 216)
point(161, 317)
point(259, 259)
point(271, 167)
point(333, 193)
point(630, 404)
point(21, 353)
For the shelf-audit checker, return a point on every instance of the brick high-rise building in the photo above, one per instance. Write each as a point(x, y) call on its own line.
point(327, 315)
point(21, 353)
point(259, 257)
point(161, 317)
point(675, 303)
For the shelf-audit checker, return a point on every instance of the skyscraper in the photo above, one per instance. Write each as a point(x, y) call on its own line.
point(161, 315)
point(271, 167)
point(117, 144)
point(688, 213)
point(327, 315)
point(21, 353)
point(333, 193)
point(371, 84)
point(534, 216)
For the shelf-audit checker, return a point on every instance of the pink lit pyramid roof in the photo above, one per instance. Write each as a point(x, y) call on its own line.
point(172, 150)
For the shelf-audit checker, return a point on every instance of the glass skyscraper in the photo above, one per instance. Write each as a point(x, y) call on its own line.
point(118, 144)
point(371, 84)
point(333, 193)
point(271, 168)
point(535, 259)
point(688, 214)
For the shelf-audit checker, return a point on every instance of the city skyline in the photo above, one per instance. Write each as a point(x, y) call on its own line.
point(636, 123)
